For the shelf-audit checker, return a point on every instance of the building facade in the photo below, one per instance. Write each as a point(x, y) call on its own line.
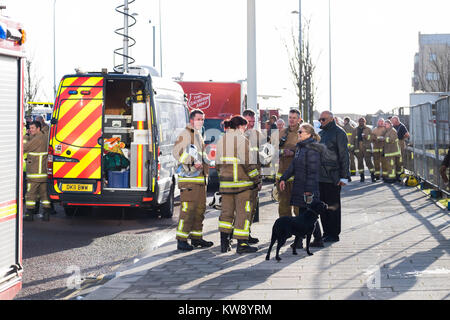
point(432, 63)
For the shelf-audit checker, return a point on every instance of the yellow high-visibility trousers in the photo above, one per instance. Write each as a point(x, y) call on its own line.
point(284, 201)
point(236, 214)
point(36, 191)
point(192, 212)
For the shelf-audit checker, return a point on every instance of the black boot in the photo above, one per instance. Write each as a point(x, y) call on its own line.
point(46, 216)
point(252, 240)
point(230, 239)
point(244, 247)
point(224, 242)
point(362, 177)
point(372, 175)
point(29, 215)
point(201, 243)
point(349, 179)
point(184, 246)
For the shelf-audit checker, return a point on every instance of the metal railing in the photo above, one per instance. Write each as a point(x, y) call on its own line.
point(429, 142)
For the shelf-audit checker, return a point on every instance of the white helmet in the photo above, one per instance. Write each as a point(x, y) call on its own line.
point(189, 171)
point(266, 153)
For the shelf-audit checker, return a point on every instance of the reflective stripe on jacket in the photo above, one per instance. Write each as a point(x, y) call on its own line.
point(366, 142)
point(180, 152)
point(391, 148)
point(256, 140)
point(236, 166)
point(37, 158)
point(378, 145)
point(350, 133)
point(290, 144)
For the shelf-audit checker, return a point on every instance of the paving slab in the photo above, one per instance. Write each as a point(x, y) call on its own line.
point(394, 245)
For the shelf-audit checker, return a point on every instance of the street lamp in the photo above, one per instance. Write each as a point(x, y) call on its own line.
point(329, 47)
point(160, 39)
point(300, 44)
point(54, 49)
point(154, 44)
point(252, 88)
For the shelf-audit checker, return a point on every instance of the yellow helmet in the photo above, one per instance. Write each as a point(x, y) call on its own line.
point(411, 181)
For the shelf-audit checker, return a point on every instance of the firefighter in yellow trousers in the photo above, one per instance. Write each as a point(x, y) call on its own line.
point(238, 176)
point(378, 144)
point(363, 149)
point(256, 140)
point(391, 152)
point(189, 151)
point(350, 130)
point(36, 149)
point(288, 139)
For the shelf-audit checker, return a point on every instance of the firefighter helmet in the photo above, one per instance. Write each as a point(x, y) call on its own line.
point(266, 153)
point(411, 181)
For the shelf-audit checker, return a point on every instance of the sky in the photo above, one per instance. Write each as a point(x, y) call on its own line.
point(372, 43)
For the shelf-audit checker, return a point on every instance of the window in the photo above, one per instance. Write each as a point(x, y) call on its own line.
point(432, 76)
point(433, 57)
point(171, 119)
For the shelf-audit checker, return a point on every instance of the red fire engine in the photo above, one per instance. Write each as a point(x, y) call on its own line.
point(12, 37)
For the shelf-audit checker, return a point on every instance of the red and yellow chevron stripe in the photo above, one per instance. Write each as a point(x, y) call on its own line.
point(79, 114)
point(8, 210)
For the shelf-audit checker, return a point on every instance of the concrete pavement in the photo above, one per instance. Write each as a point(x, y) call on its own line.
point(394, 245)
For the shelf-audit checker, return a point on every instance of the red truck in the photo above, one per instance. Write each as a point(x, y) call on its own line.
point(219, 101)
point(12, 62)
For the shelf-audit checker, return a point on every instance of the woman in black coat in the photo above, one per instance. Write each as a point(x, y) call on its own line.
point(306, 171)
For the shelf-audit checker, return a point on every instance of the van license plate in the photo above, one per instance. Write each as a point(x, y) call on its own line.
point(77, 187)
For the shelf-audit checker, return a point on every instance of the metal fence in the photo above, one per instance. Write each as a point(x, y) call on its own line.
point(430, 138)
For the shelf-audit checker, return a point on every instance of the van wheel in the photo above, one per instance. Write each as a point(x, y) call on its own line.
point(166, 209)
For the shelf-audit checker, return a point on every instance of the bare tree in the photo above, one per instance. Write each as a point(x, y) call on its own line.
point(32, 85)
point(434, 70)
point(302, 71)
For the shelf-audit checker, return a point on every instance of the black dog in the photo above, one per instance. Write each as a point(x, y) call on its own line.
point(301, 226)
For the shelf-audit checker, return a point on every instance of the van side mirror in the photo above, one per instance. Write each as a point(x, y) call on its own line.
point(53, 121)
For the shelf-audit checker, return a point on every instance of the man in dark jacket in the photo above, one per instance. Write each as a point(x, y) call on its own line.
point(333, 175)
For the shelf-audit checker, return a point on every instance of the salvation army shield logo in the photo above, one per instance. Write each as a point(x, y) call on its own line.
point(199, 101)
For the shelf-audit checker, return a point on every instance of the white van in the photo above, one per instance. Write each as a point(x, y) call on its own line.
point(138, 117)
